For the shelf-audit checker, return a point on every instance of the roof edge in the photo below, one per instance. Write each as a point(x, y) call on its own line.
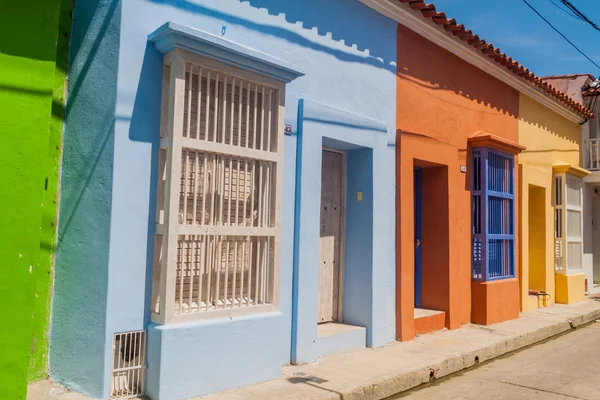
point(426, 21)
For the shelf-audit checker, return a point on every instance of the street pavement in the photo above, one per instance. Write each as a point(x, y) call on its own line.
point(567, 367)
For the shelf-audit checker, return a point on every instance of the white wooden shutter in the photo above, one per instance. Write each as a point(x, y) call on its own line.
point(559, 211)
point(574, 223)
point(221, 181)
point(568, 223)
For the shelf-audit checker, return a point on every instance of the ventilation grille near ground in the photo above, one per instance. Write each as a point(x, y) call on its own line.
point(129, 365)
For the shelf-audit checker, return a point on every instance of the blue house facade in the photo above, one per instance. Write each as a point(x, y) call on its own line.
point(227, 193)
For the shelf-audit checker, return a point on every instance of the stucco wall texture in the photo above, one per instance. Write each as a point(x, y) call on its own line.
point(109, 175)
point(31, 82)
point(441, 101)
point(549, 139)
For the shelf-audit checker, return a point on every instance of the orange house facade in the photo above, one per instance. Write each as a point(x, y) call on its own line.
point(454, 123)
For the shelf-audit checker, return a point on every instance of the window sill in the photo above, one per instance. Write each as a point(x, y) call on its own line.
point(233, 313)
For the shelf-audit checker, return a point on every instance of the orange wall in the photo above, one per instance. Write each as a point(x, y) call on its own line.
point(441, 101)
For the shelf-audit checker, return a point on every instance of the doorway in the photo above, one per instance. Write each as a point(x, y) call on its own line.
point(537, 238)
point(331, 238)
point(418, 207)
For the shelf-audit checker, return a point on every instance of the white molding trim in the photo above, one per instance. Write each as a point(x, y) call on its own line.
point(403, 14)
point(172, 36)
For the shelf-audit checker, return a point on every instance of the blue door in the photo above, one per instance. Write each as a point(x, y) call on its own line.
point(418, 196)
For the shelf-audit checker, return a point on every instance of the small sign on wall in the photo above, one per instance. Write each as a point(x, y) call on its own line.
point(287, 130)
point(463, 169)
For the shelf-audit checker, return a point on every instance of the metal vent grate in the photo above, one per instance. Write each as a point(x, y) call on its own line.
point(129, 365)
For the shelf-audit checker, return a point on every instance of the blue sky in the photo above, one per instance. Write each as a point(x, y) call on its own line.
point(520, 33)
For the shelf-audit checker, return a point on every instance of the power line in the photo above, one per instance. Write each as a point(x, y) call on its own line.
point(566, 11)
point(581, 15)
point(560, 33)
point(560, 9)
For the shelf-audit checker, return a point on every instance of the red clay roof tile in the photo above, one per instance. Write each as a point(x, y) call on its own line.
point(439, 18)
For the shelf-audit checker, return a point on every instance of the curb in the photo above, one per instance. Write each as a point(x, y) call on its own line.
point(387, 386)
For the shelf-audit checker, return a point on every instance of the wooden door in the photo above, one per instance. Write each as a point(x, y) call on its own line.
point(331, 230)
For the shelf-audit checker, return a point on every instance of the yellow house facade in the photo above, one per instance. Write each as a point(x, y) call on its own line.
point(550, 206)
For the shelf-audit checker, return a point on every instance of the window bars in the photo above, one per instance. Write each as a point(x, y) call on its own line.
point(220, 172)
point(493, 215)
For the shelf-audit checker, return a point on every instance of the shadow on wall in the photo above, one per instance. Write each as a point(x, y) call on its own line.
point(15, 43)
point(78, 330)
point(430, 79)
point(537, 115)
point(426, 67)
point(441, 71)
point(342, 21)
point(85, 174)
point(145, 127)
point(92, 49)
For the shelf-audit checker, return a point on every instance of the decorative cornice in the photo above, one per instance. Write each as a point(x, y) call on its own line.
point(561, 167)
point(402, 12)
point(485, 139)
point(171, 36)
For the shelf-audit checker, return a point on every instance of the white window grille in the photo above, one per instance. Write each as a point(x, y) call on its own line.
point(574, 223)
point(558, 224)
point(129, 365)
point(568, 223)
point(219, 192)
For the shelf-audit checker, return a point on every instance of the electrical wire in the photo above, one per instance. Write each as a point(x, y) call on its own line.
point(560, 33)
point(581, 15)
point(563, 13)
point(566, 11)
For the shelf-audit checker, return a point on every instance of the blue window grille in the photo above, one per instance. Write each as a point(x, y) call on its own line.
point(493, 215)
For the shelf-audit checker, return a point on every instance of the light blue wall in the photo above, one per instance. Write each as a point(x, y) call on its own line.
point(347, 53)
point(368, 243)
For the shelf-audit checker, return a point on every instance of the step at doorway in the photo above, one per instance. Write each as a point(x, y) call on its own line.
point(429, 320)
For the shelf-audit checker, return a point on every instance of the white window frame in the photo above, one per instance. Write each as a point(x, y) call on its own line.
point(168, 226)
point(561, 220)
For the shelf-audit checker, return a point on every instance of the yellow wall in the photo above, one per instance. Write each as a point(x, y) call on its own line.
point(570, 288)
point(549, 139)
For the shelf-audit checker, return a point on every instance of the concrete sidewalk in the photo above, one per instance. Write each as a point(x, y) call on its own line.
point(383, 372)
point(386, 371)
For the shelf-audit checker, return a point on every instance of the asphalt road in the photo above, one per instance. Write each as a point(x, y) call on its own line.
point(567, 367)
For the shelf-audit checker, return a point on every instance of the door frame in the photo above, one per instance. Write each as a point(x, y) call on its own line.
point(418, 224)
point(342, 254)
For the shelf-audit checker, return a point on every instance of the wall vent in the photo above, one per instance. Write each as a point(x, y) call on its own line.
point(129, 365)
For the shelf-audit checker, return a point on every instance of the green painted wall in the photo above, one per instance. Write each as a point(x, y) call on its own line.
point(33, 53)
point(41, 322)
